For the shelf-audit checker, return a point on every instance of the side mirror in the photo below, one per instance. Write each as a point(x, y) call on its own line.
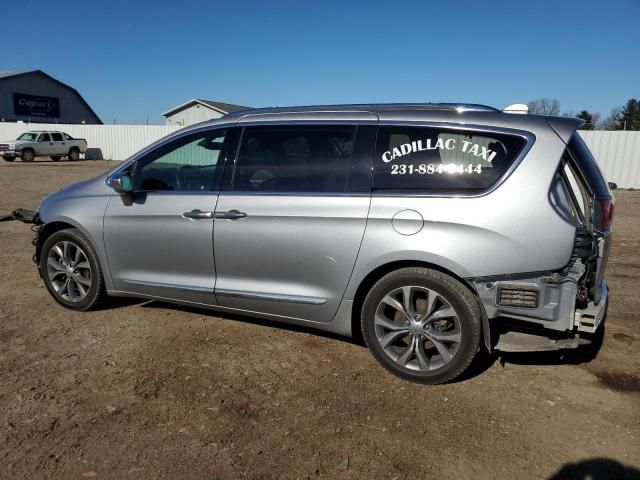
point(121, 183)
point(613, 185)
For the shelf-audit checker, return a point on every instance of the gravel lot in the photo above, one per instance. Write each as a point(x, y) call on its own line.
point(151, 390)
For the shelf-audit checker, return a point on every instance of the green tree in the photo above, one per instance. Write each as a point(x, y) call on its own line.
point(588, 120)
point(629, 117)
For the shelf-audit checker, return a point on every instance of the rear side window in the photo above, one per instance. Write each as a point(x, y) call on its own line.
point(576, 190)
point(434, 158)
point(309, 159)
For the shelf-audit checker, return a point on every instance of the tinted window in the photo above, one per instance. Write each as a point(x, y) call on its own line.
point(189, 163)
point(429, 158)
point(57, 137)
point(298, 159)
point(68, 137)
point(44, 137)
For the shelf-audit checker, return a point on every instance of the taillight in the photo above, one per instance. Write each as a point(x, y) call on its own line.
point(607, 206)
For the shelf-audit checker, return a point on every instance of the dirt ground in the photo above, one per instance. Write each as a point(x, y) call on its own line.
point(151, 390)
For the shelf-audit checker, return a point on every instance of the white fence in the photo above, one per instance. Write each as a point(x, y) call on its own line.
point(115, 142)
point(617, 153)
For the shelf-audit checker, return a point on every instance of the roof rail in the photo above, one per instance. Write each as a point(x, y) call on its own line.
point(371, 107)
point(467, 107)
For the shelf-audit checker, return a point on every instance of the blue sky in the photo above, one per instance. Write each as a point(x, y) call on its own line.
point(133, 60)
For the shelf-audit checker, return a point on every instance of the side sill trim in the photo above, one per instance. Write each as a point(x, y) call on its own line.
point(272, 296)
point(168, 285)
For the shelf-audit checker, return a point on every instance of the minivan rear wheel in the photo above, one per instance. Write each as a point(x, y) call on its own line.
point(422, 325)
point(71, 270)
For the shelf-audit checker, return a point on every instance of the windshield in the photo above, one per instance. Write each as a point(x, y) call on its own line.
point(29, 137)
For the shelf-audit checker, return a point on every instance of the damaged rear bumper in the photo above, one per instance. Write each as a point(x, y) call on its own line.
point(540, 314)
point(589, 319)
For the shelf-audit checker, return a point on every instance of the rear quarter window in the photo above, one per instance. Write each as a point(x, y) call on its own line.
point(435, 158)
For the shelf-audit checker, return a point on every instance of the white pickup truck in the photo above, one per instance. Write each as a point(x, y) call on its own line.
point(40, 143)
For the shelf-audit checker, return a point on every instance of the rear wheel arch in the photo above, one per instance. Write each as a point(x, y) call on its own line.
point(376, 274)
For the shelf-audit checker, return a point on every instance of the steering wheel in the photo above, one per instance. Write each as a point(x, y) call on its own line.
point(182, 176)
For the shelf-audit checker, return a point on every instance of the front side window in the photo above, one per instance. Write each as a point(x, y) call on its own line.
point(190, 163)
point(435, 158)
point(57, 137)
point(310, 159)
point(44, 137)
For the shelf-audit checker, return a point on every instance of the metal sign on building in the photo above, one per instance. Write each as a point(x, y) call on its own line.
point(35, 97)
point(36, 105)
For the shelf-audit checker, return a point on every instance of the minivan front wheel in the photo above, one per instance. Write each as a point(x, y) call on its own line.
point(422, 325)
point(71, 270)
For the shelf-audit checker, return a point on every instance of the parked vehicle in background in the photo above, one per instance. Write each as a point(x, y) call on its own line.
point(39, 143)
point(427, 229)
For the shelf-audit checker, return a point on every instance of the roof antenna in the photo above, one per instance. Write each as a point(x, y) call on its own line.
point(517, 108)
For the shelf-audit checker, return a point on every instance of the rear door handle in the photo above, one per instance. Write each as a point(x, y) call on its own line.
point(230, 215)
point(197, 214)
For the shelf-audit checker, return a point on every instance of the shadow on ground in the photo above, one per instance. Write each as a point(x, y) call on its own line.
point(481, 363)
point(596, 469)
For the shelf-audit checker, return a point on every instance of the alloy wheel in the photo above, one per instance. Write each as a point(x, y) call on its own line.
point(69, 271)
point(417, 328)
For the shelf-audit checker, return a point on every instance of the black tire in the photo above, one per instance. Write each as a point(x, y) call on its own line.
point(28, 155)
point(8, 159)
point(96, 292)
point(74, 155)
point(458, 297)
point(55, 158)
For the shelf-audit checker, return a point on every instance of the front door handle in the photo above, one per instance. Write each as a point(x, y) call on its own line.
point(230, 215)
point(197, 214)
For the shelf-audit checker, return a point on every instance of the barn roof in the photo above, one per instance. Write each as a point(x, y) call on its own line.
point(4, 75)
point(221, 107)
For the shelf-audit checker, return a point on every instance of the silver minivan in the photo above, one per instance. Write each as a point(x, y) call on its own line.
point(431, 230)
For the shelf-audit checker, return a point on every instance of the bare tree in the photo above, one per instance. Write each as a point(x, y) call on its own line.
point(612, 121)
point(544, 106)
